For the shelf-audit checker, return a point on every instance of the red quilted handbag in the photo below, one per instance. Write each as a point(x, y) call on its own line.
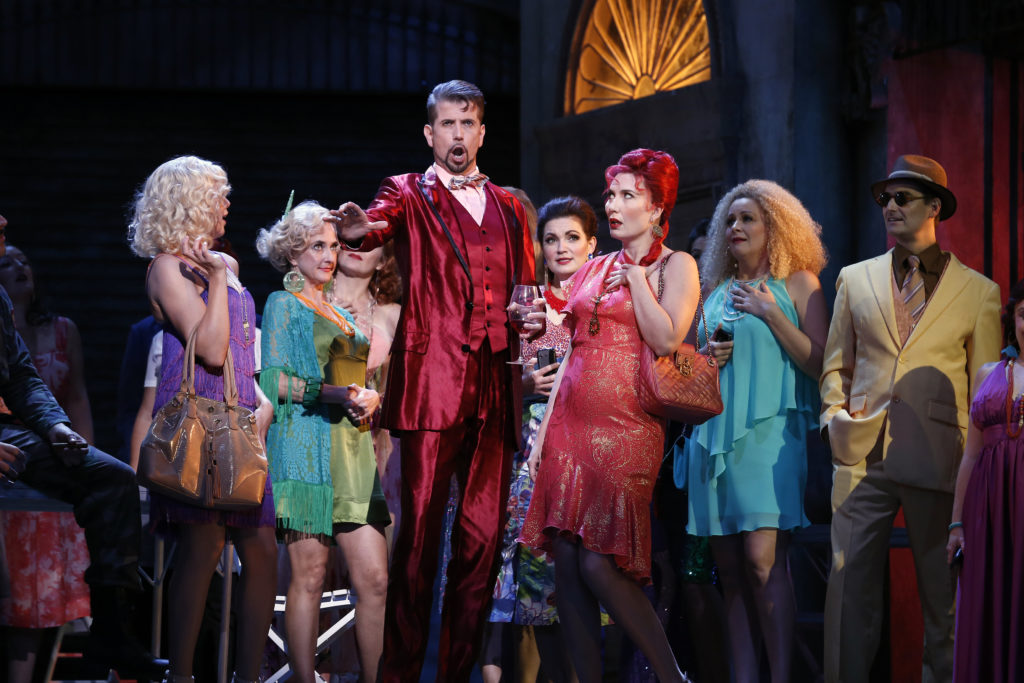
point(682, 386)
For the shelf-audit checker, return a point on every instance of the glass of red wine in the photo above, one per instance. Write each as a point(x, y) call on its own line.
point(520, 307)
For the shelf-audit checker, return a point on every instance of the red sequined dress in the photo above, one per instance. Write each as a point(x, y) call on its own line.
point(601, 451)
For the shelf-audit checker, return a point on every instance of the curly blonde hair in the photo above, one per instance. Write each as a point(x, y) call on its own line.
point(291, 235)
point(793, 237)
point(180, 198)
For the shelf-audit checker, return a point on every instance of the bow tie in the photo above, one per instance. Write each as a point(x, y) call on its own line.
point(460, 181)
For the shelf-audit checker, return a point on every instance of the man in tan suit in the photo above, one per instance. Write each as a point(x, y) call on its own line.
point(910, 330)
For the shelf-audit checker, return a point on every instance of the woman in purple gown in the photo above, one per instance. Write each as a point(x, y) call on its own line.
point(179, 212)
point(988, 519)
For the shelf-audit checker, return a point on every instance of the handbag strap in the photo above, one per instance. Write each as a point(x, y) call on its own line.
point(188, 375)
point(700, 301)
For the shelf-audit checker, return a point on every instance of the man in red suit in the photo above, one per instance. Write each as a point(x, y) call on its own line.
point(461, 244)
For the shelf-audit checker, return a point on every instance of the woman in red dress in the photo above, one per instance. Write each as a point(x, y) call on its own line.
point(597, 454)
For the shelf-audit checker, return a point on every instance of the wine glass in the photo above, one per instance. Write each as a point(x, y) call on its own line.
point(520, 307)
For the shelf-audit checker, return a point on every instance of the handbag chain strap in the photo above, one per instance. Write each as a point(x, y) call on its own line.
point(700, 301)
point(188, 376)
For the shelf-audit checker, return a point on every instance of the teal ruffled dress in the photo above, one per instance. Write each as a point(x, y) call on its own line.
point(746, 469)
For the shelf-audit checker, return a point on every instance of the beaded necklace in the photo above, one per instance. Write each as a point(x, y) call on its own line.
point(553, 300)
point(1010, 431)
point(236, 284)
point(595, 325)
point(371, 382)
point(327, 311)
point(367, 325)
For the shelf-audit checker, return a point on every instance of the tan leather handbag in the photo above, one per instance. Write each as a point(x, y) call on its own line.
point(682, 386)
point(203, 451)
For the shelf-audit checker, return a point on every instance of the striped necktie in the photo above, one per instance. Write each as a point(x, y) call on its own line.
point(913, 289)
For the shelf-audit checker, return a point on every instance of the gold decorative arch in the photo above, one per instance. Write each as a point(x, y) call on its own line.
point(628, 49)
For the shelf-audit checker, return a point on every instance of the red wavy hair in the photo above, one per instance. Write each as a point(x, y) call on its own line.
point(660, 177)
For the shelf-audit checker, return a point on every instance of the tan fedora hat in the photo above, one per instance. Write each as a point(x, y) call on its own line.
point(925, 172)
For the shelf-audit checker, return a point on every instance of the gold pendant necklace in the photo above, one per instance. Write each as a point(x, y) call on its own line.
point(595, 325)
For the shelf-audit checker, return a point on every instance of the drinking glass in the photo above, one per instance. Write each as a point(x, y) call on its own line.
point(520, 307)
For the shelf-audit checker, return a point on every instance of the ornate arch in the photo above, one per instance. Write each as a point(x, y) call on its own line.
point(627, 49)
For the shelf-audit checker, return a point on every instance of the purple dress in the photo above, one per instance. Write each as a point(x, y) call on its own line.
point(990, 609)
point(242, 312)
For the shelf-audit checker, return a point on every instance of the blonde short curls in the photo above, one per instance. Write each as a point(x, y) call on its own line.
point(180, 198)
point(793, 237)
point(291, 235)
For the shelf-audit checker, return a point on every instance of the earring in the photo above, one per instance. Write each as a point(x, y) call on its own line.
point(294, 281)
point(590, 256)
point(658, 231)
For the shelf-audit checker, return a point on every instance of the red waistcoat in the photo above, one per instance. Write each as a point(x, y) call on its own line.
point(440, 309)
point(488, 269)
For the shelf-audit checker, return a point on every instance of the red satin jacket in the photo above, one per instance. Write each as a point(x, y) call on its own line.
point(428, 357)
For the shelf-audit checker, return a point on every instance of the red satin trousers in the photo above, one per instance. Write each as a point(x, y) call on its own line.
point(478, 451)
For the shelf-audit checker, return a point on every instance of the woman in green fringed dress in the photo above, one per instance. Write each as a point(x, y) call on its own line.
point(319, 446)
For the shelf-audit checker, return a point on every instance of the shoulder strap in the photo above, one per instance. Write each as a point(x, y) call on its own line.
point(700, 300)
point(661, 276)
point(60, 330)
point(187, 265)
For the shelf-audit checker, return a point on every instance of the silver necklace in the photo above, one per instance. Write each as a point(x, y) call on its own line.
point(367, 318)
point(729, 312)
point(236, 284)
point(371, 382)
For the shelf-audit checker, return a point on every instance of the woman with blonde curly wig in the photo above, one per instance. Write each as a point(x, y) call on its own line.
point(746, 469)
point(320, 448)
point(179, 212)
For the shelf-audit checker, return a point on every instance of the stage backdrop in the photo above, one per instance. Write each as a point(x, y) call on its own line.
point(963, 109)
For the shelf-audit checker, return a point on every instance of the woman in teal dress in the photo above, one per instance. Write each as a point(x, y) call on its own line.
point(319, 445)
point(746, 468)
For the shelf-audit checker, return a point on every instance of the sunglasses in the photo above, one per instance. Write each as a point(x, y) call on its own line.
point(902, 198)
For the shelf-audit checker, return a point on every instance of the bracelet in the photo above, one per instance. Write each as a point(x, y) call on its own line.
point(311, 394)
point(956, 525)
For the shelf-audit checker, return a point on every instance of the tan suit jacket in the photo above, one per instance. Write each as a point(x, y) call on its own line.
point(915, 397)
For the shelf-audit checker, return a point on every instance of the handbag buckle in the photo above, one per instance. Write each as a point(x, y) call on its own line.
point(686, 366)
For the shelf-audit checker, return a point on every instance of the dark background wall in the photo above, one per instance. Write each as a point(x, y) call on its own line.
point(318, 96)
point(326, 97)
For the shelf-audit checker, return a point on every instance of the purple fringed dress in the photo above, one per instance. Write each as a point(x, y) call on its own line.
point(990, 609)
point(241, 310)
